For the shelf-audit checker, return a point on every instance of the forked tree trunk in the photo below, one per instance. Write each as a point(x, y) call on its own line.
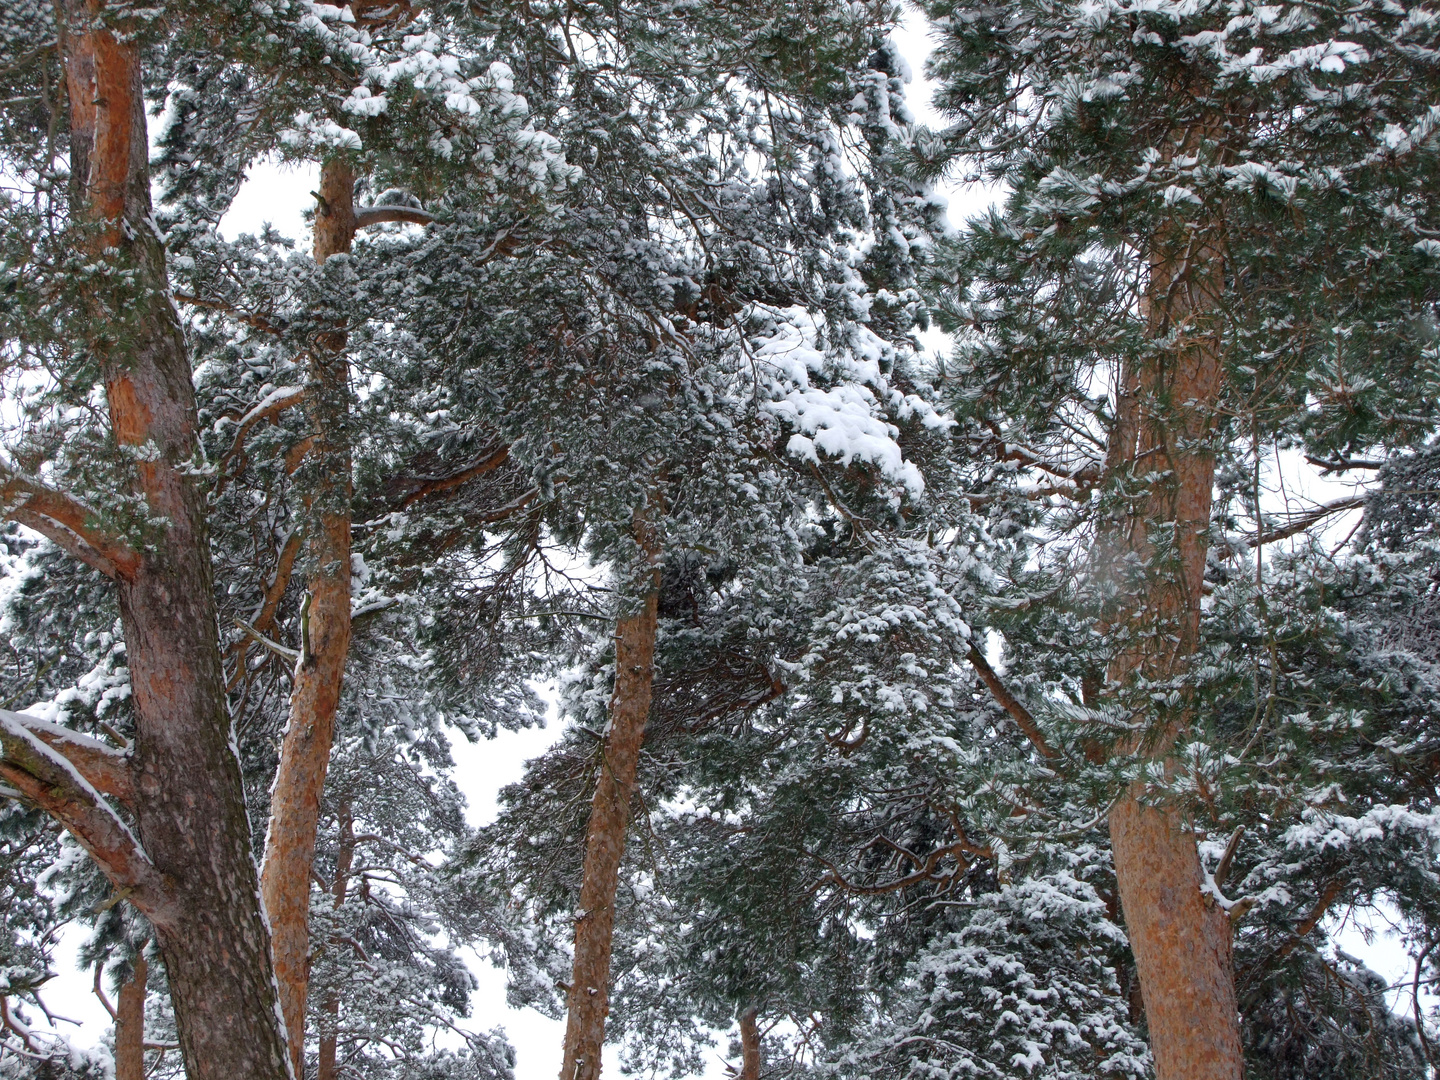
point(1166, 419)
point(588, 1000)
point(193, 874)
point(325, 483)
point(130, 1024)
point(749, 1045)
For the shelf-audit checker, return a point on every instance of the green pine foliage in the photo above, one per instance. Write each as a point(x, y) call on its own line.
point(676, 262)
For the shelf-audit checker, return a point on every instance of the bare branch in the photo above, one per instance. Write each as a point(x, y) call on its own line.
point(1222, 870)
point(1309, 518)
point(100, 991)
point(1343, 464)
point(1011, 704)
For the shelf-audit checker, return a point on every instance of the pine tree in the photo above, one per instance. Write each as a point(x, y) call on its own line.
point(1212, 214)
point(657, 284)
point(96, 315)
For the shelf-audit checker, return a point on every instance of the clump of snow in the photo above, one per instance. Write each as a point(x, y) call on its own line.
point(836, 400)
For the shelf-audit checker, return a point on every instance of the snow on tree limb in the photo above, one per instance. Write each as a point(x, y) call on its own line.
point(44, 775)
point(66, 521)
point(107, 769)
point(380, 214)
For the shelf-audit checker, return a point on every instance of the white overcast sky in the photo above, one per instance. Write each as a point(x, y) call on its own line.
point(279, 196)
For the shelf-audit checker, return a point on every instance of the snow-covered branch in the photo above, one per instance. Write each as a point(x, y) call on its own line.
point(66, 521)
point(380, 214)
point(47, 777)
point(104, 767)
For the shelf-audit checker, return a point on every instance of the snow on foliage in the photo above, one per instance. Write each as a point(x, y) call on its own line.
point(844, 421)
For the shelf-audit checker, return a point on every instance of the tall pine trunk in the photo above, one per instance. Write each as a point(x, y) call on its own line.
point(1165, 429)
point(750, 1044)
point(588, 1001)
point(130, 1023)
point(189, 803)
point(325, 632)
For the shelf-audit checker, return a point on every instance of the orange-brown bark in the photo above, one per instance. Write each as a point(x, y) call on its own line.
point(109, 771)
point(130, 1024)
point(325, 633)
point(749, 1045)
point(191, 872)
point(1165, 430)
point(264, 617)
point(67, 522)
point(1010, 703)
point(47, 778)
point(588, 1000)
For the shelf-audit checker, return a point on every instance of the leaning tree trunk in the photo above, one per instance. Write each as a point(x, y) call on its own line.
point(187, 866)
point(1166, 418)
point(588, 1000)
point(325, 484)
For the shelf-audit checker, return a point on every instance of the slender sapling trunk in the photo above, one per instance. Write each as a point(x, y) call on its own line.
point(588, 999)
point(750, 1045)
point(325, 634)
point(130, 1023)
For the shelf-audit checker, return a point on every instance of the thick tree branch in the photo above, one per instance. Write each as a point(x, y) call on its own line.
point(430, 485)
point(67, 522)
point(108, 770)
point(377, 215)
point(47, 778)
point(1021, 715)
point(1327, 897)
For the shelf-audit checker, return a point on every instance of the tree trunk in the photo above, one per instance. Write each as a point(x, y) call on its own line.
point(325, 483)
point(344, 860)
point(1166, 427)
point(749, 1045)
point(130, 1024)
point(189, 803)
point(1181, 941)
point(588, 1001)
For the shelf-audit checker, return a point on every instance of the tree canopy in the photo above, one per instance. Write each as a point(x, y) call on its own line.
point(1042, 704)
